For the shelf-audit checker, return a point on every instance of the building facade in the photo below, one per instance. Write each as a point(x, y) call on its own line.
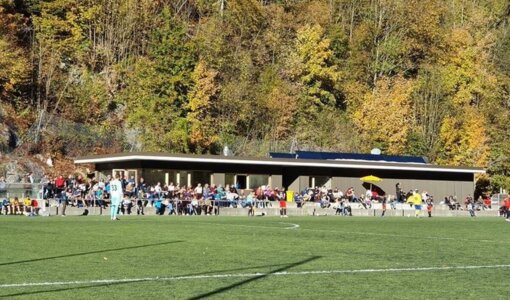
point(290, 171)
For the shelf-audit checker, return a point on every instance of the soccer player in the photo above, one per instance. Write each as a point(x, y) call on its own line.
point(415, 199)
point(116, 194)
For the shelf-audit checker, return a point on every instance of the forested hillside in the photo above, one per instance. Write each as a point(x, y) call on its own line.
point(412, 77)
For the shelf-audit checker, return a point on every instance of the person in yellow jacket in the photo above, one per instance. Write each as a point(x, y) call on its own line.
point(416, 200)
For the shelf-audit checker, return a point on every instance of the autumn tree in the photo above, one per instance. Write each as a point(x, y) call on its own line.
point(384, 118)
point(201, 109)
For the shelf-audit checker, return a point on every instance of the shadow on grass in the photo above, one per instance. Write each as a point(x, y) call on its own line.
point(238, 284)
point(217, 291)
point(64, 289)
point(86, 253)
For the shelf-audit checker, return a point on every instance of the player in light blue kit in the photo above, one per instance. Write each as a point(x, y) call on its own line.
point(116, 195)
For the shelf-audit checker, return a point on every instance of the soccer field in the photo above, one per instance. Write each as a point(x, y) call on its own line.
point(254, 258)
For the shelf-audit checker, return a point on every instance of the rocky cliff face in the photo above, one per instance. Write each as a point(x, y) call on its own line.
point(15, 170)
point(5, 137)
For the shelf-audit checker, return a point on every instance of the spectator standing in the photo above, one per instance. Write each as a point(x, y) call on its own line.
point(158, 190)
point(60, 184)
point(250, 203)
point(283, 202)
point(3, 187)
point(398, 191)
point(44, 183)
point(506, 207)
point(30, 178)
point(471, 205)
point(368, 194)
point(199, 190)
point(383, 203)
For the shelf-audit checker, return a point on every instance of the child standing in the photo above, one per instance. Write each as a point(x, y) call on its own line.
point(430, 204)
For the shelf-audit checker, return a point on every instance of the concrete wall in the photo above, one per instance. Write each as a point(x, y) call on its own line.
point(308, 210)
point(276, 180)
point(218, 178)
point(437, 188)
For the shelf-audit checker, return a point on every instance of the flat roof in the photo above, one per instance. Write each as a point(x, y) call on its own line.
point(283, 162)
point(349, 156)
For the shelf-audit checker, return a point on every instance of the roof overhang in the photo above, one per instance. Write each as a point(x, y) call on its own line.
point(216, 159)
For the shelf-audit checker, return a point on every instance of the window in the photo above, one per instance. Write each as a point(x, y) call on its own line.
point(200, 177)
point(258, 180)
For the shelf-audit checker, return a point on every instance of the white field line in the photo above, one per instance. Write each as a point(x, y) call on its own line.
point(292, 226)
point(406, 236)
point(242, 275)
point(296, 226)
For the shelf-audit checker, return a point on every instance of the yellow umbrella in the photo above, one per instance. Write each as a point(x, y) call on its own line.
point(370, 179)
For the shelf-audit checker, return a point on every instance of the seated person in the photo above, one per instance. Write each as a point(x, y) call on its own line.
point(27, 206)
point(299, 200)
point(487, 203)
point(126, 206)
point(15, 206)
point(35, 207)
point(6, 207)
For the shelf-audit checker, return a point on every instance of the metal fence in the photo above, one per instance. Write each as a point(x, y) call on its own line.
point(497, 199)
point(22, 190)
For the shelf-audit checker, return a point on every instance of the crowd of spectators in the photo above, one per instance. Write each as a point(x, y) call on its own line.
point(191, 200)
point(208, 199)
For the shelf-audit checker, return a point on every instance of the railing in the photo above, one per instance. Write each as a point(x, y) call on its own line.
point(22, 190)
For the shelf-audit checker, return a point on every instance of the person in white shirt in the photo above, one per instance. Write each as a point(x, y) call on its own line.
point(116, 194)
point(199, 191)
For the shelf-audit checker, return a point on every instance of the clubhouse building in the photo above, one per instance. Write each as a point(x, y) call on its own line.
point(293, 171)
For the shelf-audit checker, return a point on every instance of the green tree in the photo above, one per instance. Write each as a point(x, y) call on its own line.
point(157, 87)
point(201, 109)
point(311, 65)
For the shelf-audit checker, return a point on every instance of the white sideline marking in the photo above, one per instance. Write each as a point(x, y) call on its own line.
point(215, 276)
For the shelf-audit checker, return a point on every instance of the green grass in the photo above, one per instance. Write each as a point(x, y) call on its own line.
point(94, 248)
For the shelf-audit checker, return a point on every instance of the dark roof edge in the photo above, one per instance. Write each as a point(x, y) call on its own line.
point(155, 155)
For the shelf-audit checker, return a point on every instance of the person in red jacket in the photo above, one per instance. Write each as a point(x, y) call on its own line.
point(60, 183)
point(506, 204)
